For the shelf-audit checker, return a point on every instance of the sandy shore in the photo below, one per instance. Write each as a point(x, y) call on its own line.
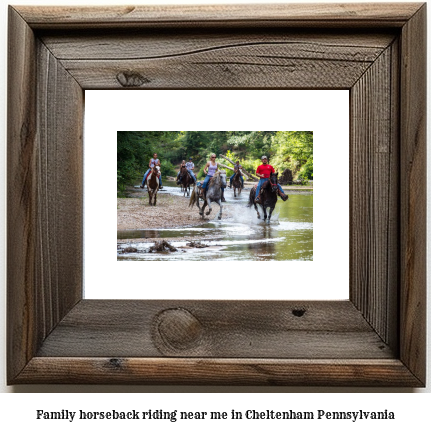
point(170, 211)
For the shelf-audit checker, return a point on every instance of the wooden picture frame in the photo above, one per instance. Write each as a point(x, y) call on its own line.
point(376, 338)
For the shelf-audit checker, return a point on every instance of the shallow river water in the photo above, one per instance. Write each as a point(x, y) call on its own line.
point(239, 236)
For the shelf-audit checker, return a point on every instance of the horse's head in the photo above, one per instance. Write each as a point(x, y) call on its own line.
point(273, 180)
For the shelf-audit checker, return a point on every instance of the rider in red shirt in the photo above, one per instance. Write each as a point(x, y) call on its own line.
point(264, 171)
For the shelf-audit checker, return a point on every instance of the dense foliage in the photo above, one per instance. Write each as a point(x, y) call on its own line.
point(285, 149)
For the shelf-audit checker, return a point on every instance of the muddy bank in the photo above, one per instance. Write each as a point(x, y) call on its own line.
point(170, 211)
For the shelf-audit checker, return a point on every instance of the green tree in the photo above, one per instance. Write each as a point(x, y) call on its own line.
point(294, 150)
point(135, 149)
point(285, 149)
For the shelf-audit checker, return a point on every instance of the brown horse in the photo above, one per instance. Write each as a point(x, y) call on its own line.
point(186, 180)
point(153, 184)
point(236, 183)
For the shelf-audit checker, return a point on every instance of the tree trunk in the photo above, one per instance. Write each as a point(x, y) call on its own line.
point(225, 166)
point(286, 178)
point(242, 169)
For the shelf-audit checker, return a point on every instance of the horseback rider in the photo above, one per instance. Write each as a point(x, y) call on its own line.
point(190, 167)
point(154, 161)
point(183, 164)
point(237, 167)
point(264, 171)
point(210, 169)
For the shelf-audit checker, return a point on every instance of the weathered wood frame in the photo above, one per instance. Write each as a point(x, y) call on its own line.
point(376, 338)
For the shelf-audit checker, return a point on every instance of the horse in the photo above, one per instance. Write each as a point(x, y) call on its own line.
point(153, 184)
point(213, 194)
point(186, 180)
point(268, 194)
point(236, 183)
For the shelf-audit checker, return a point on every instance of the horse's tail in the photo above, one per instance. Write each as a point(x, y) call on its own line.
point(251, 196)
point(193, 196)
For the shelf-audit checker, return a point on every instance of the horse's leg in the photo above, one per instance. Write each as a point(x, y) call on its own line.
point(270, 213)
point(220, 214)
point(150, 196)
point(197, 200)
point(265, 216)
point(209, 207)
point(257, 210)
point(201, 212)
point(155, 197)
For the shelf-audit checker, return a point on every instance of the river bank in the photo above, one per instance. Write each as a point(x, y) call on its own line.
point(170, 211)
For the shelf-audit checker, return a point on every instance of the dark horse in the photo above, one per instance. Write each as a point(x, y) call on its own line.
point(186, 180)
point(153, 184)
point(236, 183)
point(268, 195)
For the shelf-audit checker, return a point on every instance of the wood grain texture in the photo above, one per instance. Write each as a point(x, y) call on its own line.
point(413, 194)
point(185, 59)
point(286, 64)
point(300, 14)
point(197, 371)
point(240, 329)
point(44, 195)
point(53, 336)
point(146, 45)
point(21, 194)
point(59, 182)
point(373, 194)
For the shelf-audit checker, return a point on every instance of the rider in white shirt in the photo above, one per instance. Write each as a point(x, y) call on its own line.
point(153, 162)
point(190, 167)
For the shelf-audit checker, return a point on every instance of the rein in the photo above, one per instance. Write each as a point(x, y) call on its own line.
point(271, 183)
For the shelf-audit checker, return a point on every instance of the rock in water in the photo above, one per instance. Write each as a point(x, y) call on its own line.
point(162, 246)
point(196, 244)
point(130, 250)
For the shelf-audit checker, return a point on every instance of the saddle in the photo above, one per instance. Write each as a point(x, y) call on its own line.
point(201, 193)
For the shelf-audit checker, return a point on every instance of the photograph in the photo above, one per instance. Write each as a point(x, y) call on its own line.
point(215, 195)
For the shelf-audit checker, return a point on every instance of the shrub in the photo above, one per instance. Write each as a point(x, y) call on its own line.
point(167, 168)
point(306, 171)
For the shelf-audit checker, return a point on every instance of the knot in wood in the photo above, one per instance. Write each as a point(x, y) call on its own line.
point(131, 79)
point(298, 312)
point(178, 329)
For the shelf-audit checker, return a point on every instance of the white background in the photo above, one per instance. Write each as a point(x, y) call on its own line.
point(18, 410)
point(326, 113)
